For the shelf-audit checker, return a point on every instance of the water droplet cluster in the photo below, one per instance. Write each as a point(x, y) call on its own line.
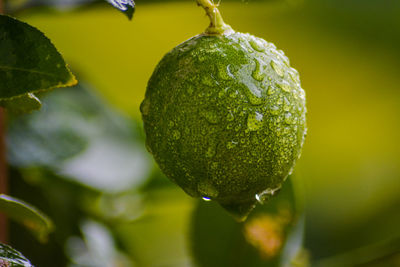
point(225, 118)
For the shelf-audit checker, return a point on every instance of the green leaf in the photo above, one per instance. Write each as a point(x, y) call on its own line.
point(9, 257)
point(30, 217)
point(78, 136)
point(21, 104)
point(125, 6)
point(29, 62)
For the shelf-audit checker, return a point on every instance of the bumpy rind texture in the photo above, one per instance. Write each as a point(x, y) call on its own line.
point(224, 117)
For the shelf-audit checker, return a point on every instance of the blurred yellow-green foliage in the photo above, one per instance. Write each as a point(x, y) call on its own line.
point(347, 53)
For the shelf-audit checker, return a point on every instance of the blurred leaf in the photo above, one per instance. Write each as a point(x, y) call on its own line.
point(273, 234)
point(9, 257)
point(76, 135)
point(29, 62)
point(21, 104)
point(96, 249)
point(27, 215)
point(157, 238)
point(125, 6)
point(62, 200)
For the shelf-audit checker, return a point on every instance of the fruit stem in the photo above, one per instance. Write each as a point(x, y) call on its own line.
point(217, 25)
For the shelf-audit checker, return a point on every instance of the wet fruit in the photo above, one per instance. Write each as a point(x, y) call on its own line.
point(224, 116)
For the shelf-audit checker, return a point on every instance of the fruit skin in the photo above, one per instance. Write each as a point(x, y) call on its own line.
point(224, 117)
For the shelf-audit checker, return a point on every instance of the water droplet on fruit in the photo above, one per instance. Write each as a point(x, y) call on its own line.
point(254, 95)
point(289, 118)
point(210, 116)
point(176, 134)
point(254, 100)
point(286, 104)
point(277, 68)
point(233, 94)
point(285, 86)
point(207, 189)
point(230, 116)
point(231, 144)
point(274, 110)
point(258, 73)
point(229, 71)
point(254, 121)
point(145, 106)
point(257, 44)
point(265, 195)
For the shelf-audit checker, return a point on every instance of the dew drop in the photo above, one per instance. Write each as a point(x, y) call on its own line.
point(207, 189)
point(229, 71)
point(231, 144)
point(277, 68)
point(233, 94)
point(230, 116)
point(206, 198)
point(223, 72)
point(254, 100)
point(254, 121)
point(289, 118)
point(145, 107)
point(271, 90)
point(210, 116)
point(275, 110)
point(280, 100)
point(257, 45)
point(285, 86)
point(258, 73)
point(176, 134)
point(265, 195)
point(286, 104)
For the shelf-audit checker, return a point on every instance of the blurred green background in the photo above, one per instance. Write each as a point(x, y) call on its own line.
point(82, 160)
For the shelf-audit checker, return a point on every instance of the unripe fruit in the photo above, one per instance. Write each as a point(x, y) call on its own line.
point(224, 117)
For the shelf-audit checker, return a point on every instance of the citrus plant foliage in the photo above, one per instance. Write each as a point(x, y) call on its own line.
point(29, 63)
point(125, 6)
point(9, 257)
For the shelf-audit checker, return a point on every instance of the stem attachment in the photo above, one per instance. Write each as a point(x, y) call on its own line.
point(217, 25)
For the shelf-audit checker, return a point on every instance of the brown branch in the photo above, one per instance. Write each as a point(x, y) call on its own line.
point(3, 166)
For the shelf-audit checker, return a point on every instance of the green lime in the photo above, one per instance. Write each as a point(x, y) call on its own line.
point(225, 118)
